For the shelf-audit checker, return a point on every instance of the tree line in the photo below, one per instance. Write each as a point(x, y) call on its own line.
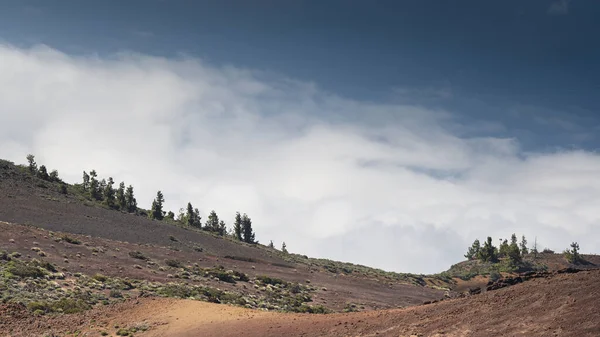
point(122, 198)
point(514, 251)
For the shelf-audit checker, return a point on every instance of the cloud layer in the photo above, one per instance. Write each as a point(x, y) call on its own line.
point(385, 185)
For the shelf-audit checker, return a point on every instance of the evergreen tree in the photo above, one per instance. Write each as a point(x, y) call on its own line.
point(197, 219)
point(191, 217)
point(54, 176)
point(247, 232)
point(121, 200)
point(504, 249)
point(130, 202)
point(156, 211)
point(212, 223)
point(94, 186)
point(488, 252)
point(237, 226)
point(284, 248)
point(534, 250)
point(513, 239)
point(572, 255)
point(32, 164)
point(222, 228)
point(109, 193)
point(523, 246)
point(514, 254)
point(271, 245)
point(170, 216)
point(86, 181)
point(473, 251)
point(102, 187)
point(43, 173)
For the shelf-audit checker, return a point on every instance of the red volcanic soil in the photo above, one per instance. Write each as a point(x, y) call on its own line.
point(558, 305)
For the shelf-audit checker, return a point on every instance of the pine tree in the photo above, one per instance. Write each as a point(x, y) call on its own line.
point(212, 223)
point(101, 188)
point(237, 226)
point(54, 176)
point(523, 246)
point(572, 255)
point(222, 228)
point(190, 214)
point(271, 245)
point(284, 248)
point(488, 252)
point(121, 200)
point(197, 219)
point(191, 217)
point(473, 251)
point(86, 181)
point(156, 211)
point(514, 254)
point(504, 249)
point(534, 250)
point(247, 232)
point(94, 186)
point(130, 202)
point(109, 193)
point(43, 173)
point(513, 239)
point(32, 164)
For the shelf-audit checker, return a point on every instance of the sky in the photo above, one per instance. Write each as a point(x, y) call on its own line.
point(388, 133)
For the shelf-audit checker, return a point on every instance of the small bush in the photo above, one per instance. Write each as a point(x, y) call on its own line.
point(270, 280)
point(138, 255)
point(71, 240)
point(115, 294)
point(22, 270)
point(240, 258)
point(4, 256)
point(495, 276)
point(100, 278)
point(173, 263)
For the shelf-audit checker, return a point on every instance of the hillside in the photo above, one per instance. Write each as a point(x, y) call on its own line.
point(557, 305)
point(36, 215)
point(69, 263)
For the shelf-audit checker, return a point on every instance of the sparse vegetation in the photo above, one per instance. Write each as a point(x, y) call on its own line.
point(572, 255)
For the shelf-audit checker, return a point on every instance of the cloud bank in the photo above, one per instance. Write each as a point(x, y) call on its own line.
point(386, 185)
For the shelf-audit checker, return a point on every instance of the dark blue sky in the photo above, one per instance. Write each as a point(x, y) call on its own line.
point(533, 66)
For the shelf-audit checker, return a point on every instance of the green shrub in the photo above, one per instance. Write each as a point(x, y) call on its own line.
point(71, 240)
point(495, 276)
point(270, 280)
point(173, 263)
point(100, 278)
point(22, 270)
point(138, 255)
point(115, 294)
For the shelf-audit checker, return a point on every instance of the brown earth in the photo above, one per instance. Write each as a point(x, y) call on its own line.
point(557, 305)
point(27, 200)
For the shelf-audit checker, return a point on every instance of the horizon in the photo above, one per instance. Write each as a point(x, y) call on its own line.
point(389, 136)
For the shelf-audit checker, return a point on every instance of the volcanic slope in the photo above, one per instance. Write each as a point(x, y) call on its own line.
point(557, 305)
point(36, 214)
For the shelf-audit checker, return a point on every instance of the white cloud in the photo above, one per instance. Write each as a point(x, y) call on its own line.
point(386, 185)
point(559, 7)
